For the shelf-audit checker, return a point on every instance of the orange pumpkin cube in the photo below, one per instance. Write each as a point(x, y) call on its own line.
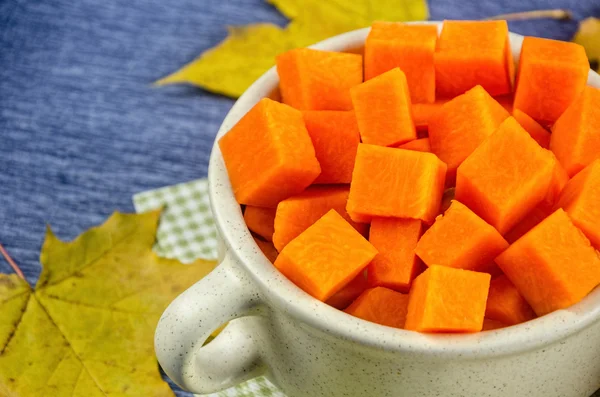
point(551, 75)
point(460, 239)
point(382, 306)
point(383, 109)
point(501, 183)
point(408, 47)
point(269, 155)
point(444, 299)
point(471, 53)
point(318, 80)
point(395, 183)
point(553, 266)
point(325, 257)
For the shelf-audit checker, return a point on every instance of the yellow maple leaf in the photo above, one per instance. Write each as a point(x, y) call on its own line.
point(88, 328)
point(588, 36)
point(248, 51)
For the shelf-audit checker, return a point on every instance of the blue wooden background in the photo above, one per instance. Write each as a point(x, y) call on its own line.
point(81, 130)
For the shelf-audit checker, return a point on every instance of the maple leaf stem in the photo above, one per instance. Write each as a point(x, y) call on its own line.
point(11, 262)
point(560, 14)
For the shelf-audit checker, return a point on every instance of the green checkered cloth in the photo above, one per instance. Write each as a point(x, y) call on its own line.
point(187, 232)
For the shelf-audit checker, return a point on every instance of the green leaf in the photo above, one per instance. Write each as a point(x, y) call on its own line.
point(88, 328)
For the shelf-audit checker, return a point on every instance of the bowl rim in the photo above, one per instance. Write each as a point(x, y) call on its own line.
point(282, 294)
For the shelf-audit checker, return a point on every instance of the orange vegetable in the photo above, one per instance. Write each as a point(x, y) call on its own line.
point(506, 177)
point(395, 183)
point(382, 306)
point(505, 303)
point(344, 297)
point(581, 200)
point(490, 325)
point(461, 125)
point(471, 53)
point(267, 248)
point(423, 112)
point(551, 75)
point(318, 80)
point(576, 135)
point(419, 145)
point(553, 266)
point(325, 257)
point(460, 239)
point(335, 137)
point(383, 109)
point(269, 155)
point(444, 299)
point(260, 220)
point(396, 264)
point(537, 132)
point(408, 47)
point(295, 214)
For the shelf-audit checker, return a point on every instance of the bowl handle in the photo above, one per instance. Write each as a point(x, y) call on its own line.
point(226, 294)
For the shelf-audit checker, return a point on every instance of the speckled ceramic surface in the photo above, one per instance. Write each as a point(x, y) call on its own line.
point(310, 349)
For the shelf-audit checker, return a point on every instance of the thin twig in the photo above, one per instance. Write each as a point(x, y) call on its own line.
point(11, 262)
point(560, 14)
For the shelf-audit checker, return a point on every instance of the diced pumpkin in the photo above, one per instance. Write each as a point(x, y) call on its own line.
point(461, 125)
point(550, 76)
point(408, 47)
point(581, 200)
point(344, 297)
point(471, 53)
point(335, 137)
point(383, 109)
point(553, 266)
point(444, 299)
point(460, 239)
point(269, 155)
point(295, 214)
point(501, 183)
point(576, 134)
point(395, 183)
point(418, 145)
point(260, 220)
point(267, 248)
point(537, 132)
point(505, 303)
point(396, 264)
point(318, 80)
point(325, 257)
point(382, 306)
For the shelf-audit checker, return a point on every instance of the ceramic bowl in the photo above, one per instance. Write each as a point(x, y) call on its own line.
point(308, 348)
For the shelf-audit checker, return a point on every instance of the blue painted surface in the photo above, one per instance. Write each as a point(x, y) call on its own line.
point(81, 130)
